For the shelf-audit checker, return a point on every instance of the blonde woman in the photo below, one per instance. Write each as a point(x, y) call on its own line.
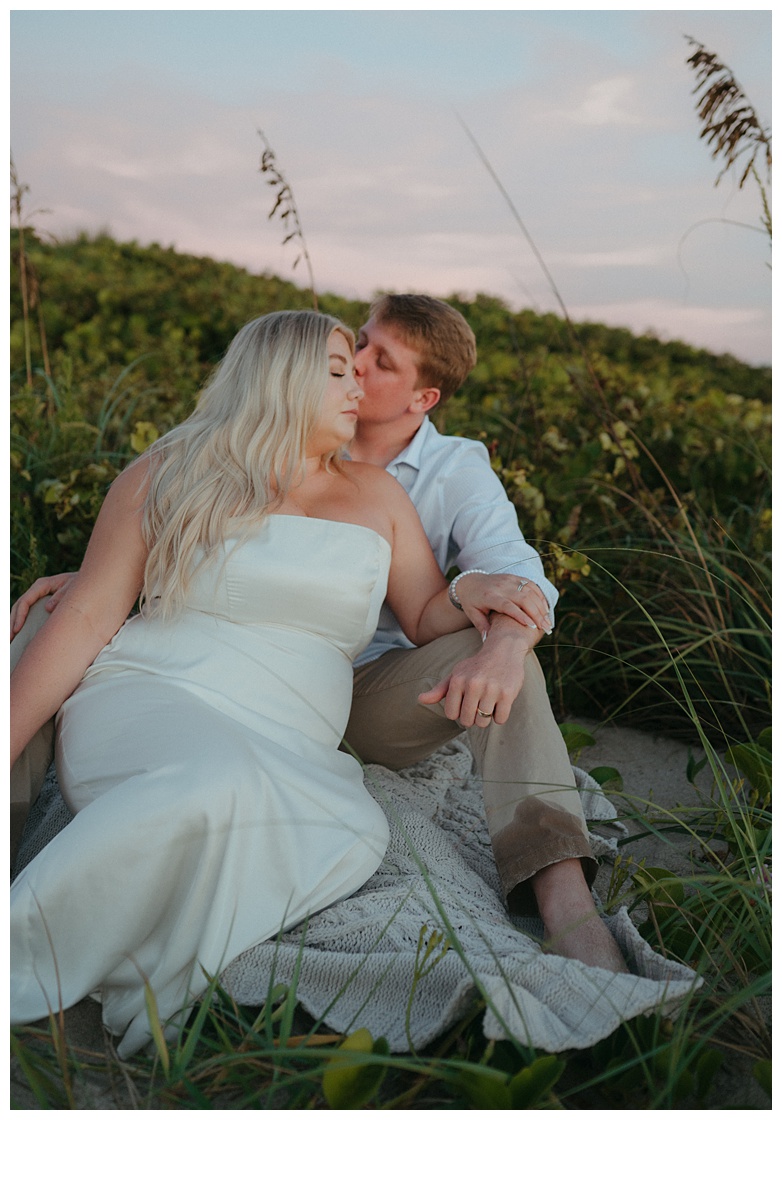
point(198, 742)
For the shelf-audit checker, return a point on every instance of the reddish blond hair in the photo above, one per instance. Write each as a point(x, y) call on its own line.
point(438, 334)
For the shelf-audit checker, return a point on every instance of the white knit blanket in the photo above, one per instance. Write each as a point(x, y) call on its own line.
point(362, 961)
point(355, 964)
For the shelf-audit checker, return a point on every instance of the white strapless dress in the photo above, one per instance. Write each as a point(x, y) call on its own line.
point(213, 805)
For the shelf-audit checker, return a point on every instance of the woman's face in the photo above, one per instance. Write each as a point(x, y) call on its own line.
point(339, 414)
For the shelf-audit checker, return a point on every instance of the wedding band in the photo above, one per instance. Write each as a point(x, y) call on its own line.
point(481, 713)
point(523, 585)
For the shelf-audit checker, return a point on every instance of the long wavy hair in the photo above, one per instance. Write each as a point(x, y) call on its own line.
point(239, 452)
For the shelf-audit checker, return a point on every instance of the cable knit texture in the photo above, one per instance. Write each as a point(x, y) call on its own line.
point(361, 961)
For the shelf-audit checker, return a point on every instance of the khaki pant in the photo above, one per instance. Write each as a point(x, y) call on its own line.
point(30, 768)
point(533, 808)
point(532, 805)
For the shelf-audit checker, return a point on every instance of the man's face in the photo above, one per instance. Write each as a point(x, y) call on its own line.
point(387, 370)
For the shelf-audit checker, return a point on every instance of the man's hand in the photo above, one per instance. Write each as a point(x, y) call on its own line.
point(483, 596)
point(48, 585)
point(482, 689)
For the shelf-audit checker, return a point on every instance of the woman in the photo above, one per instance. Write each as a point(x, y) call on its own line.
point(200, 750)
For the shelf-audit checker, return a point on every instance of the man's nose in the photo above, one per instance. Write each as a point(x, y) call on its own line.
point(358, 361)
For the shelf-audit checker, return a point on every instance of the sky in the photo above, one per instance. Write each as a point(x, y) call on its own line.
point(144, 123)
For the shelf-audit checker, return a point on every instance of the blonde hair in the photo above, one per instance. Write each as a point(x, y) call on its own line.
point(240, 451)
point(438, 334)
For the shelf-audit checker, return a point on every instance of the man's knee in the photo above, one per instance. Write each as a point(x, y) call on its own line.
point(421, 666)
point(36, 617)
point(387, 724)
point(30, 769)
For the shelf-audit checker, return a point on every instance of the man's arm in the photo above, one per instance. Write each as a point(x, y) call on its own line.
point(490, 680)
point(485, 535)
point(54, 586)
point(485, 531)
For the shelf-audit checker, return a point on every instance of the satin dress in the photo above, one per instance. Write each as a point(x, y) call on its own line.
point(213, 805)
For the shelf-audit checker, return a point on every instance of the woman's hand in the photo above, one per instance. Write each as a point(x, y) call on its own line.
point(48, 585)
point(418, 594)
point(521, 599)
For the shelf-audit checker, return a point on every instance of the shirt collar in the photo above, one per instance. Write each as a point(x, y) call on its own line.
point(411, 455)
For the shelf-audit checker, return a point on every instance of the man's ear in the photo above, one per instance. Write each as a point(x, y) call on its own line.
point(425, 400)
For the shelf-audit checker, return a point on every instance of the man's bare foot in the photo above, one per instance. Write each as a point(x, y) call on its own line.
point(590, 942)
point(572, 924)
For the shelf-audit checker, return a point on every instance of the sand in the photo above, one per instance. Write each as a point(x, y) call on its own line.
point(654, 774)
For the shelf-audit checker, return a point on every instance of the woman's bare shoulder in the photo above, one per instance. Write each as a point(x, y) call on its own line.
point(362, 471)
point(131, 485)
point(376, 481)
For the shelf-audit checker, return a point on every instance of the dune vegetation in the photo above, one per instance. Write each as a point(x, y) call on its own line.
point(641, 469)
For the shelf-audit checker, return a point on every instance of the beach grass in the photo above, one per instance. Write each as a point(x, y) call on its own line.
point(646, 486)
point(714, 915)
point(664, 624)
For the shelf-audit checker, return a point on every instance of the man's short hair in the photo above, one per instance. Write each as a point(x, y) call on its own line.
point(439, 335)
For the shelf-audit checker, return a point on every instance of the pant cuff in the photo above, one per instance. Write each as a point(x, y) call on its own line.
point(541, 833)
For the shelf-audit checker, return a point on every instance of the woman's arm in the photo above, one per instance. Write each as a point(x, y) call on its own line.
point(53, 586)
point(92, 610)
point(418, 593)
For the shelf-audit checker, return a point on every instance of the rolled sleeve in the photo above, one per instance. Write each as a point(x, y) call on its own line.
point(467, 517)
point(485, 533)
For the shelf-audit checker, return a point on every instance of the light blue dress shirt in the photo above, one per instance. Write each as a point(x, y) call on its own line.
point(467, 517)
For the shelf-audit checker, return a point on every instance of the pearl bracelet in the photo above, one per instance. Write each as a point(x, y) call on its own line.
point(452, 589)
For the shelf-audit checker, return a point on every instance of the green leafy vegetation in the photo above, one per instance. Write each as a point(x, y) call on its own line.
point(641, 471)
point(639, 468)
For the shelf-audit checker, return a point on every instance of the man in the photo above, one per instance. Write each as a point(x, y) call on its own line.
point(413, 353)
